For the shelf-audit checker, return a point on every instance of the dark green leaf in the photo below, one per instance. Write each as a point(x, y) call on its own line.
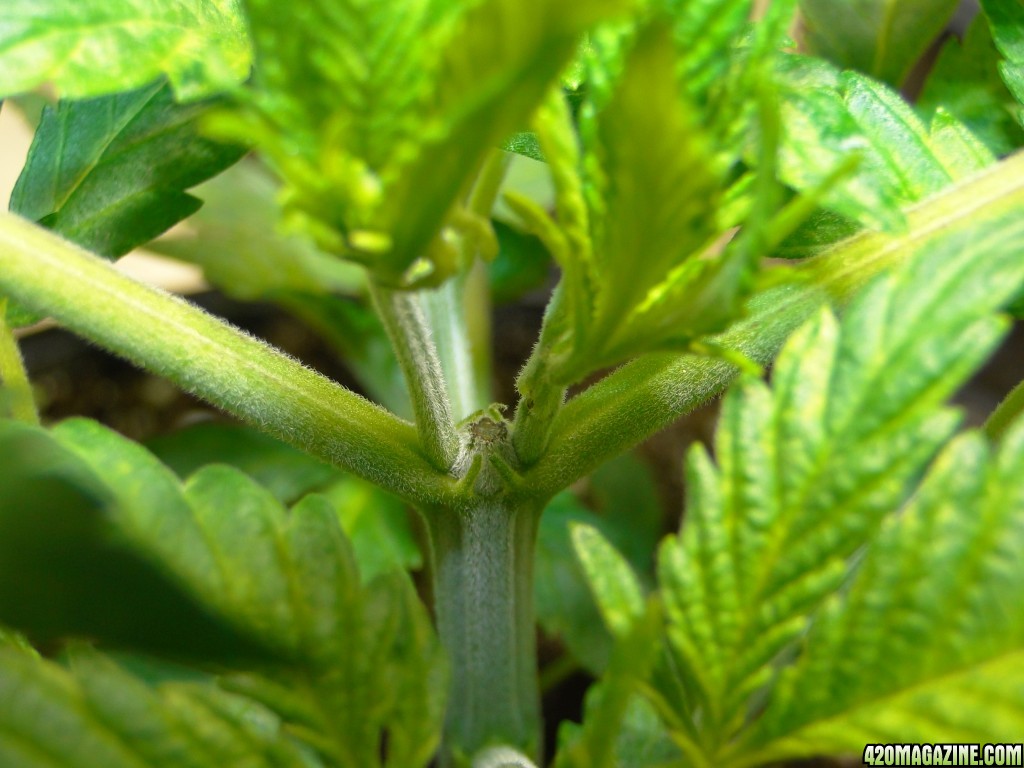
point(1006, 18)
point(68, 568)
point(881, 38)
point(93, 47)
point(110, 173)
point(522, 264)
point(286, 472)
point(965, 82)
point(354, 662)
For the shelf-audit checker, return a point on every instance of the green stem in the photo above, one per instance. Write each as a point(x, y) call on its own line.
point(540, 396)
point(209, 358)
point(406, 325)
point(16, 397)
point(483, 585)
point(643, 397)
point(465, 362)
point(1009, 409)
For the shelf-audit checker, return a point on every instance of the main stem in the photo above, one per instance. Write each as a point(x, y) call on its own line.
point(483, 587)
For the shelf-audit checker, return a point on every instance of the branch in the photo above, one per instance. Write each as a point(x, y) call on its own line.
point(645, 396)
point(206, 356)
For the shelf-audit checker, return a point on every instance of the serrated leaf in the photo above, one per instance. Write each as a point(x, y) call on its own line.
point(927, 643)
point(98, 714)
point(377, 115)
point(357, 661)
point(633, 222)
point(377, 524)
point(808, 469)
point(1006, 19)
point(236, 239)
point(286, 472)
point(965, 82)
point(615, 586)
point(69, 569)
point(828, 115)
point(94, 47)
point(110, 173)
point(624, 508)
point(881, 38)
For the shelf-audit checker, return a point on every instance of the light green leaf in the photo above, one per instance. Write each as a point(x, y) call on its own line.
point(808, 469)
point(829, 116)
point(616, 718)
point(633, 222)
point(378, 115)
point(236, 239)
point(1006, 19)
point(624, 508)
point(965, 82)
point(927, 643)
point(881, 38)
point(615, 586)
point(98, 714)
point(378, 526)
point(93, 47)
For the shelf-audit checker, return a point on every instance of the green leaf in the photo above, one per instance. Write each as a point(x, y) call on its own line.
point(69, 568)
point(377, 524)
point(808, 469)
point(94, 47)
point(235, 237)
point(965, 82)
point(927, 643)
point(522, 264)
point(633, 223)
point(624, 508)
point(354, 662)
point(828, 115)
point(615, 586)
point(378, 116)
point(110, 173)
point(1006, 19)
point(98, 714)
point(286, 472)
point(881, 38)
point(616, 718)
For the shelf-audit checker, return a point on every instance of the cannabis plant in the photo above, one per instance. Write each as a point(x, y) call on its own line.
point(721, 184)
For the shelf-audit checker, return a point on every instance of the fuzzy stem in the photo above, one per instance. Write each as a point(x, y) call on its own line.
point(16, 398)
point(406, 325)
point(648, 394)
point(1009, 409)
point(206, 356)
point(464, 361)
point(483, 585)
